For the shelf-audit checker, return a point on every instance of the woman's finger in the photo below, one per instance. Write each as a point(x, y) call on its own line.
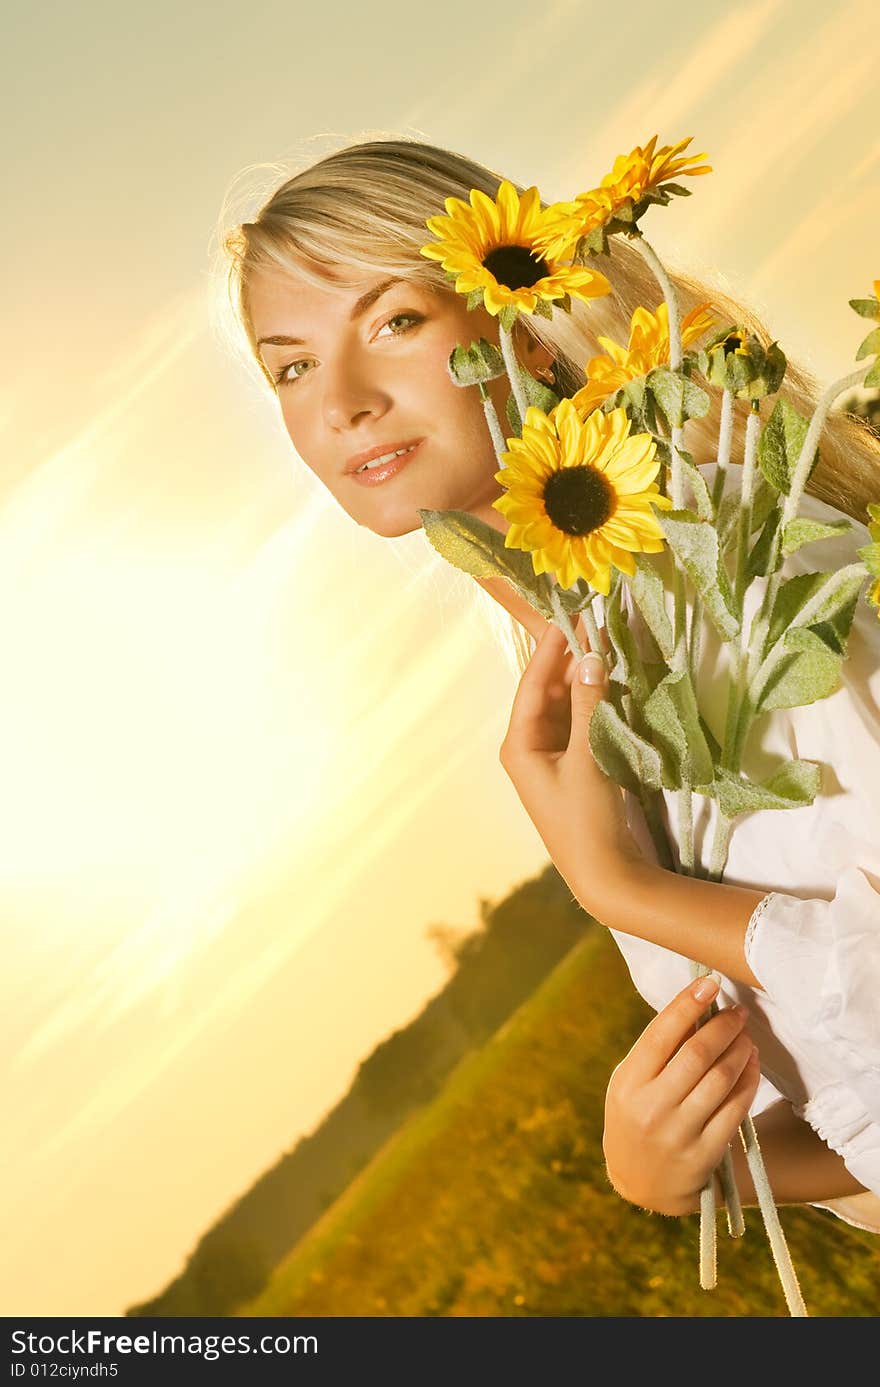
point(716, 1084)
point(695, 1058)
point(663, 1035)
point(534, 723)
point(588, 688)
point(571, 662)
point(721, 1126)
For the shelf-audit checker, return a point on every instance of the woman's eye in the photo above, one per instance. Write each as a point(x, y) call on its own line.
point(413, 318)
point(283, 378)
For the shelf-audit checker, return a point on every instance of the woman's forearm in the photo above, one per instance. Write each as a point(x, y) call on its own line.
point(800, 1167)
point(703, 920)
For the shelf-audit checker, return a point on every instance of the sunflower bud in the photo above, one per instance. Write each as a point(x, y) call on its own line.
point(481, 361)
point(735, 360)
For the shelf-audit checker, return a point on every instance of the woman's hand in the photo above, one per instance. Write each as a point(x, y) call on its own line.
point(675, 1102)
point(577, 809)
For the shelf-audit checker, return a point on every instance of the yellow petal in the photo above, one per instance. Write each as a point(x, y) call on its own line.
point(507, 199)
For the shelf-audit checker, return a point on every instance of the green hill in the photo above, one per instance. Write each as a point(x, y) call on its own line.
point(493, 969)
point(492, 1199)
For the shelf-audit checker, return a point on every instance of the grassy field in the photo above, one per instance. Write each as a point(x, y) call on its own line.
point(493, 1201)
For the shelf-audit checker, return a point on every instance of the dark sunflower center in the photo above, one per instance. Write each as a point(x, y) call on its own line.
point(732, 343)
point(578, 500)
point(515, 267)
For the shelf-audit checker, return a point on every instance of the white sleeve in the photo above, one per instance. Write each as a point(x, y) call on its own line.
point(818, 962)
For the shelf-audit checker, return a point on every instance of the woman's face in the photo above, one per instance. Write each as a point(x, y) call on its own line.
point(374, 375)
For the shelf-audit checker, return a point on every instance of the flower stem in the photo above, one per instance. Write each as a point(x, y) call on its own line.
point(739, 652)
point(778, 1246)
point(736, 1224)
point(648, 253)
point(725, 437)
point(564, 621)
point(720, 846)
point(514, 371)
point(708, 1239)
point(498, 440)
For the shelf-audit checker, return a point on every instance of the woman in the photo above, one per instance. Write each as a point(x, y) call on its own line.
point(352, 329)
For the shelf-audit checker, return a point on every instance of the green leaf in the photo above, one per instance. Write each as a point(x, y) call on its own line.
point(796, 783)
point(574, 599)
point(711, 741)
point(866, 308)
point(672, 714)
point(764, 500)
point(508, 316)
point(698, 482)
point(695, 542)
point(800, 531)
point(678, 397)
point(539, 394)
point(870, 555)
point(740, 371)
point(633, 392)
point(776, 365)
point(780, 444)
point(478, 549)
point(628, 669)
point(475, 298)
point(695, 401)
point(622, 754)
point(543, 308)
point(648, 592)
point(873, 376)
point(870, 345)
point(758, 561)
point(725, 520)
point(828, 594)
point(811, 674)
point(808, 633)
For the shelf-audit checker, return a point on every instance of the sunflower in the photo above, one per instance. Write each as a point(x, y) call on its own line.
point(648, 347)
point(871, 552)
point(635, 177)
point(579, 492)
point(490, 246)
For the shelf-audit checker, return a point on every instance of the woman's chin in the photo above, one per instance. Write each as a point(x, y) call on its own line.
point(393, 524)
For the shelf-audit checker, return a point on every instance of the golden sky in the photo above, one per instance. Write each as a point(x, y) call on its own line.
point(249, 751)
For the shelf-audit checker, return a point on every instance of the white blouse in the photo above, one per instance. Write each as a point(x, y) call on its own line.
point(813, 941)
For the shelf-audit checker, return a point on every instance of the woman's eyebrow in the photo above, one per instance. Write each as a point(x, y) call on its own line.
point(360, 307)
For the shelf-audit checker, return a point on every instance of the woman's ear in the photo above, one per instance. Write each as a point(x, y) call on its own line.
point(538, 360)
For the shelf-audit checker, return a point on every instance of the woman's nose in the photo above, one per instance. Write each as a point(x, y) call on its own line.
point(349, 393)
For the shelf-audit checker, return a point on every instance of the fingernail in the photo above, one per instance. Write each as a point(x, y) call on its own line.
point(706, 987)
point(591, 669)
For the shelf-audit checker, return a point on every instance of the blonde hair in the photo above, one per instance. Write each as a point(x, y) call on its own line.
point(363, 208)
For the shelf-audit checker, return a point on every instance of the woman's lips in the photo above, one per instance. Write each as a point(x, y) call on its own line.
point(374, 476)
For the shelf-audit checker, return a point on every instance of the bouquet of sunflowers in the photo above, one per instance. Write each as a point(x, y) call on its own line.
point(584, 503)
